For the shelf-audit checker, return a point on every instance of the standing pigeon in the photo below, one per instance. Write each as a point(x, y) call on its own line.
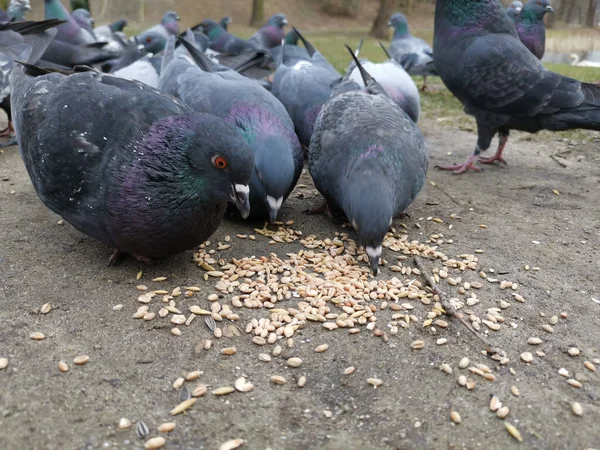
point(169, 25)
point(125, 164)
point(223, 42)
point(85, 20)
point(104, 32)
point(260, 119)
point(505, 87)
point(17, 8)
point(22, 41)
point(70, 31)
point(513, 10)
point(409, 51)
point(390, 75)
point(271, 33)
point(303, 87)
point(531, 28)
point(367, 158)
point(225, 21)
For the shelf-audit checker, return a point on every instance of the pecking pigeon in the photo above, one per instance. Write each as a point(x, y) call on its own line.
point(70, 31)
point(367, 158)
point(514, 10)
point(271, 33)
point(410, 52)
point(505, 87)
point(17, 8)
point(169, 25)
point(224, 42)
point(125, 164)
point(259, 117)
point(397, 83)
point(303, 87)
point(531, 28)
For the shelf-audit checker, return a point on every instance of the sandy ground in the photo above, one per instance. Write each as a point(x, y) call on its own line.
point(134, 363)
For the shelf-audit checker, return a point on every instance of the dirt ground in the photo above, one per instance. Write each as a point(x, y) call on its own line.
point(133, 363)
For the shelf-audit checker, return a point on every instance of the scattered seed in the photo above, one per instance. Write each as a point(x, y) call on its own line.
point(81, 360)
point(184, 394)
point(446, 368)
point(577, 409)
point(573, 351)
point(512, 430)
point(231, 444)
point(503, 412)
point(141, 430)
point(259, 340)
point(264, 357)
point(183, 406)
point(462, 380)
point(441, 341)
point(118, 307)
point(327, 413)
point(589, 366)
point(321, 348)
point(564, 372)
point(417, 345)
point(547, 328)
point(563, 315)
point(242, 385)
point(301, 381)
point(349, 370)
point(199, 391)
point(212, 298)
point(4, 363)
point(534, 341)
point(527, 357)
point(515, 391)
point(175, 331)
point(193, 376)
point(158, 279)
point(278, 379)
point(495, 403)
point(455, 417)
point(46, 308)
point(178, 319)
point(464, 363)
point(155, 442)
point(37, 336)
point(223, 390)
point(573, 382)
point(276, 351)
point(167, 427)
point(124, 423)
point(375, 382)
point(229, 351)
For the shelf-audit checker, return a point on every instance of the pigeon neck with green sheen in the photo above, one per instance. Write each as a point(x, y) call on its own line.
point(465, 13)
point(55, 10)
point(401, 30)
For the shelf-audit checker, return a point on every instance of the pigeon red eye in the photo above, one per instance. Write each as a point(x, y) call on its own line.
point(220, 162)
point(148, 39)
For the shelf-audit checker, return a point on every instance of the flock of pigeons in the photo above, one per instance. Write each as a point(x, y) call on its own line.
point(144, 143)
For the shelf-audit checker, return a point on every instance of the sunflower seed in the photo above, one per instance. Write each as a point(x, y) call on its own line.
point(574, 383)
point(3, 363)
point(278, 379)
point(375, 382)
point(502, 412)
point(464, 363)
point(184, 394)
point(183, 406)
point(178, 383)
point(231, 444)
point(224, 390)
point(37, 336)
point(155, 442)
point(455, 417)
point(81, 360)
point(167, 427)
point(577, 409)
point(141, 430)
point(199, 390)
point(124, 423)
point(294, 362)
point(242, 385)
point(210, 322)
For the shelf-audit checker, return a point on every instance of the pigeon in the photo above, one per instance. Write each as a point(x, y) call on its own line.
point(530, 26)
point(22, 41)
point(225, 21)
point(62, 54)
point(271, 33)
point(80, 4)
point(303, 87)
point(504, 86)
point(223, 42)
point(146, 70)
point(85, 20)
point(70, 31)
point(259, 117)
point(152, 40)
point(169, 25)
point(397, 83)
point(17, 8)
point(125, 164)
point(367, 158)
point(513, 10)
point(410, 52)
point(106, 32)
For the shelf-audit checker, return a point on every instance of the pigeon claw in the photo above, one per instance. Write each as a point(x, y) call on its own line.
point(462, 168)
point(117, 256)
point(493, 159)
point(8, 130)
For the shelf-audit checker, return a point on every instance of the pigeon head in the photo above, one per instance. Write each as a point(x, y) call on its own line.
point(278, 20)
point(274, 170)
point(400, 25)
point(170, 22)
point(535, 10)
point(225, 21)
point(291, 38)
point(83, 18)
point(514, 10)
point(118, 25)
point(19, 6)
point(368, 205)
point(152, 41)
point(218, 161)
point(211, 28)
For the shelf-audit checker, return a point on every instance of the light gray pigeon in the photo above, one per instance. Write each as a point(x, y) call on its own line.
point(367, 158)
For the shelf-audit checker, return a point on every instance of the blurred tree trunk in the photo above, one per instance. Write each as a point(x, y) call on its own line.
point(340, 8)
point(258, 13)
point(380, 26)
point(591, 15)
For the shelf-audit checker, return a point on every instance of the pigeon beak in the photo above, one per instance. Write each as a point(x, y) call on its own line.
point(549, 9)
point(241, 198)
point(374, 255)
point(518, 9)
point(284, 21)
point(274, 205)
point(390, 23)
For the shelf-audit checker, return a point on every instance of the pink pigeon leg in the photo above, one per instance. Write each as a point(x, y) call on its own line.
point(462, 168)
point(503, 139)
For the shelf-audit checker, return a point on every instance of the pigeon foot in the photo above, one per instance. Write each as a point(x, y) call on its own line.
point(8, 130)
point(493, 159)
point(462, 168)
point(144, 259)
point(116, 257)
point(322, 209)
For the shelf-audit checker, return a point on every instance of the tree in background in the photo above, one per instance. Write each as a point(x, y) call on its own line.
point(591, 15)
point(380, 26)
point(258, 13)
point(340, 8)
point(80, 4)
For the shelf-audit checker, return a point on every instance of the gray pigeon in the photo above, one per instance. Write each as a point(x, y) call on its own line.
point(85, 20)
point(412, 53)
point(271, 34)
point(303, 87)
point(169, 25)
point(397, 83)
point(367, 158)
point(531, 28)
point(125, 164)
point(70, 31)
point(17, 8)
point(505, 87)
point(513, 10)
point(260, 118)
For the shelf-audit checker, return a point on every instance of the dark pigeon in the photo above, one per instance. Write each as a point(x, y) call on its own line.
point(505, 87)
point(271, 34)
point(397, 83)
point(367, 158)
point(80, 4)
point(412, 53)
point(126, 164)
point(70, 31)
point(303, 87)
point(63, 54)
point(17, 9)
point(259, 117)
point(224, 42)
point(168, 26)
point(224, 22)
point(513, 10)
point(531, 28)
point(21, 41)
